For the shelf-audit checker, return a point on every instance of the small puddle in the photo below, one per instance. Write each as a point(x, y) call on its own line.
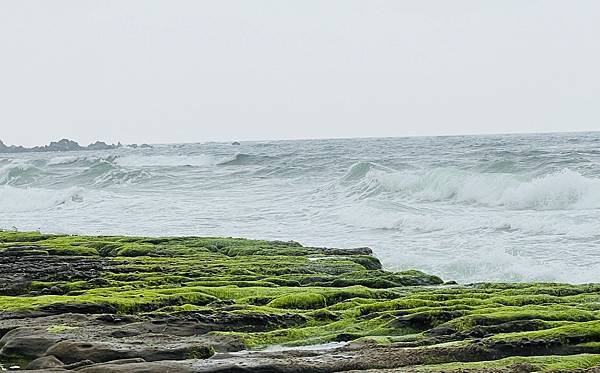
point(281, 348)
point(9, 367)
point(319, 347)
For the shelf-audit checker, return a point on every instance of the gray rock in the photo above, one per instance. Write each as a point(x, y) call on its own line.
point(350, 251)
point(79, 364)
point(99, 352)
point(27, 342)
point(148, 367)
point(63, 145)
point(45, 362)
point(100, 145)
point(58, 146)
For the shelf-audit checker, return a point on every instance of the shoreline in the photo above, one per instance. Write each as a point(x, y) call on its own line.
point(196, 304)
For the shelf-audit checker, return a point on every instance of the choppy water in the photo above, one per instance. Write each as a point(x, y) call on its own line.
point(510, 208)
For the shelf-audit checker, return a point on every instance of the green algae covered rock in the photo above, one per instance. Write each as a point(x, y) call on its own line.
point(100, 299)
point(303, 301)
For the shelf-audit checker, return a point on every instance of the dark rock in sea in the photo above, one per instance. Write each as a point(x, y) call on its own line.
point(235, 143)
point(100, 145)
point(10, 149)
point(63, 145)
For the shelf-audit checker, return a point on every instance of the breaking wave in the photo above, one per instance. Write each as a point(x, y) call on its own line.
point(19, 173)
point(465, 208)
point(245, 159)
point(70, 170)
point(166, 160)
point(565, 189)
point(13, 199)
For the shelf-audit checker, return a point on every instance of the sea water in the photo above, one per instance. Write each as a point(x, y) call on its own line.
point(470, 208)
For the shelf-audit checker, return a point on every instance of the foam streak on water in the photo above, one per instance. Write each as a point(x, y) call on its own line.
point(499, 208)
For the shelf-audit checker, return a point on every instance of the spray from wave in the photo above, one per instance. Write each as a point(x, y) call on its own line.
point(14, 199)
point(565, 189)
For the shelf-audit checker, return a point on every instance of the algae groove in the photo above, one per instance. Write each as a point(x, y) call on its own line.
point(190, 303)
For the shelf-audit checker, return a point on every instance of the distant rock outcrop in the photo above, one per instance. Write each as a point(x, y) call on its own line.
point(100, 145)
point(10, 149)
point(63, 145)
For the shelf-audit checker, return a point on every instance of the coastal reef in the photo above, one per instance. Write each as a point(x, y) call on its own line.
point(196, 304)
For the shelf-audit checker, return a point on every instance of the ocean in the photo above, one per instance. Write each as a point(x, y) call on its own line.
point(467, 208)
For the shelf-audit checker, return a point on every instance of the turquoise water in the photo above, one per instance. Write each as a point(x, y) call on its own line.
point(473, 208)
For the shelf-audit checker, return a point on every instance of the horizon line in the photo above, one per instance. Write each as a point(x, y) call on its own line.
point(473, 134)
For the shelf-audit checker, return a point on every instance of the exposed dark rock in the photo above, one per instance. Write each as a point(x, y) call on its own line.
point(34, 264)
point(100, 145)
point(26, 342)
point(148, 367)
point(114, 319)
point(175, 300)
point(350, 251)
point(72, 352)
point(62, 146)
point(425, 320)
point(79, 364)
point(45, 362)
point(84, 308)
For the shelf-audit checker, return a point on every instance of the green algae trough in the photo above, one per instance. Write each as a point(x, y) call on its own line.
point(197, 296)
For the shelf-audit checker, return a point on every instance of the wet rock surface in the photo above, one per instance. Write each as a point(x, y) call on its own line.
point(192, 304)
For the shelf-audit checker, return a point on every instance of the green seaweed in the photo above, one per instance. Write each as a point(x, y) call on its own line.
point(333, 295)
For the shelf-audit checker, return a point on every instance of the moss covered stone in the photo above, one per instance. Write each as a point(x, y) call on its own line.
point(263, 293)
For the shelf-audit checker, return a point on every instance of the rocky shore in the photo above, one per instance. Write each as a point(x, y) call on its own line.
point(192, 304)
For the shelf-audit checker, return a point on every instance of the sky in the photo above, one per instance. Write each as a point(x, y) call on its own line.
point(191, 71)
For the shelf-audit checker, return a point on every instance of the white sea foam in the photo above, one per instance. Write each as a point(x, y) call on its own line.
point(14, 199)
point(16, 170)
point(466, 209)
point(565, 189)
point(62, 160)
point(141, 160)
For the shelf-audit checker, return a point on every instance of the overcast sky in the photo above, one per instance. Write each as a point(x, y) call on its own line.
point(192, 71)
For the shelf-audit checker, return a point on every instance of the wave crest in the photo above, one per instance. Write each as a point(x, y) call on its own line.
point(19, 173)
point(242, 159)
point(14, 199)
point(565, 189)
point(166, 160)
